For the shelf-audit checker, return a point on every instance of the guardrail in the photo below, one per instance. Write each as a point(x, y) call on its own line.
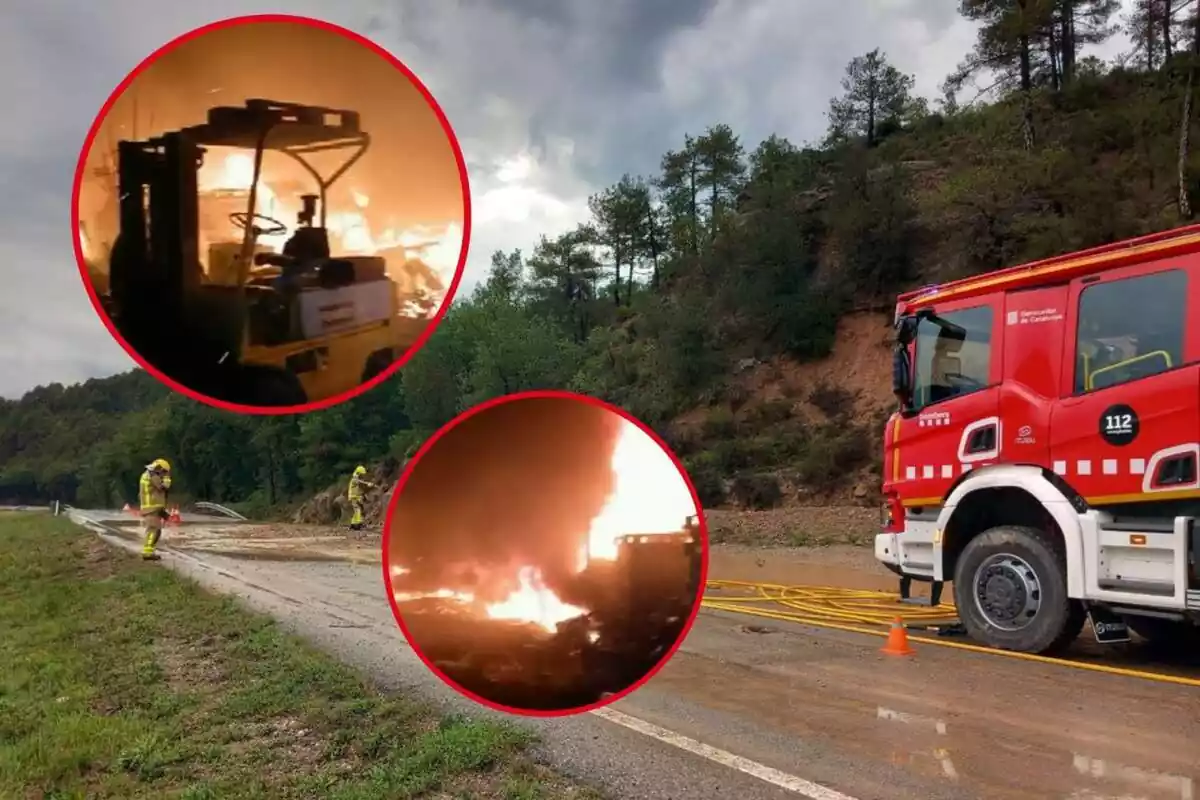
point(204, 505)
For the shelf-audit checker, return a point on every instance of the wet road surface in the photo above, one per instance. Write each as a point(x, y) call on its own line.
point(757, 709)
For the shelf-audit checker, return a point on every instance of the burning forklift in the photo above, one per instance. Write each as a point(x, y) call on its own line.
point(256, 327)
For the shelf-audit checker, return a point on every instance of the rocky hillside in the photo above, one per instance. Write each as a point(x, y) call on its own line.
point(789, 433)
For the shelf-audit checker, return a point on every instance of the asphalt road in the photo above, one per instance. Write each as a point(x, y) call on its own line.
point(752, 709)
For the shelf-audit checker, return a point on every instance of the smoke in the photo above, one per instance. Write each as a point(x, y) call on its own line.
point(517, 484)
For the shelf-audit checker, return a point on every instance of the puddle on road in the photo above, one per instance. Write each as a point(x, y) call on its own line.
point(1177, 787)
point(928, 746)
point(988, 730)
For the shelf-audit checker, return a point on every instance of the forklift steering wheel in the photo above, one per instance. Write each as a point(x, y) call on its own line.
point(242, 219)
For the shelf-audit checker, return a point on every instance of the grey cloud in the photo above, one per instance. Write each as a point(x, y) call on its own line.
point(34, 192)
point(568, 68)
point(615, 44)
point(48, 329)
point(601, 73)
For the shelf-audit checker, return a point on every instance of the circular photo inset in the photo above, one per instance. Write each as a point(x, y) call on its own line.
point(271, 214)
point(544, 554)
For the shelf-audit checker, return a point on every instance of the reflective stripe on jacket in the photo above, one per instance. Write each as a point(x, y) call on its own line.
point(152, 492)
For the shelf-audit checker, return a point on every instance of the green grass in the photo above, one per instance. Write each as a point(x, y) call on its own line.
point(121, 679)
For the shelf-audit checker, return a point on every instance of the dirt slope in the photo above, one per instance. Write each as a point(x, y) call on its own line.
point(860, 365)
point(799, 526)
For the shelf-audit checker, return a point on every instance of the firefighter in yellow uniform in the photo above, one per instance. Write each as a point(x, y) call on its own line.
point(358, 485)
point(153, 489)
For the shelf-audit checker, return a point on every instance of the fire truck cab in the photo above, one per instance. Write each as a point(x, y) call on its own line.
point(1046, 457)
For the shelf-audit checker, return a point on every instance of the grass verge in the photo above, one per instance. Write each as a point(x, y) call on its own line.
point(122, 679)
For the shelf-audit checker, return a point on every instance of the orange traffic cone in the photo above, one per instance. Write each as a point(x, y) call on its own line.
point(174, 518)
point(897, 640)
point(126, 509)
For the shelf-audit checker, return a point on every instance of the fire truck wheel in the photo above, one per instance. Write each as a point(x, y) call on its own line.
point(1010, 588)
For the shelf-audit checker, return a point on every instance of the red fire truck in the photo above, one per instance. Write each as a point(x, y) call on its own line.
point(1045, 457)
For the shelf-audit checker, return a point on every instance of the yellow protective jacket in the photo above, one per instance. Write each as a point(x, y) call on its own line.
point(152, 491)
point(357, 485)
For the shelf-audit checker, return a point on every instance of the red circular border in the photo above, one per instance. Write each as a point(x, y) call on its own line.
point(551, 394)
point(462, 174)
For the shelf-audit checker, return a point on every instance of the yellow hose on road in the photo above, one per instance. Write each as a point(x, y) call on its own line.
point(853, 610)
point(834, 603)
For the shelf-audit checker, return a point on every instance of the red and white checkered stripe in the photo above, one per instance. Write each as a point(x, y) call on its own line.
point(1078, 468)
point(931, 471)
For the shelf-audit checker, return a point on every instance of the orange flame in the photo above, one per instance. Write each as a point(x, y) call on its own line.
point(440, 594)
point(650, 496)
point(353, 231)
point(533, 602)
point(85, 243)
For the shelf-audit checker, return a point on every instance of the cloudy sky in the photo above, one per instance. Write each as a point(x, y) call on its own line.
point(551, 100)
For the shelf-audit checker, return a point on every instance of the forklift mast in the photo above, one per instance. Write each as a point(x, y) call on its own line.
point(155, 260)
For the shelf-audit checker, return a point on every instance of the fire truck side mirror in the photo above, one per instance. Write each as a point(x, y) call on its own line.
point(906, 333)
point(901, 375)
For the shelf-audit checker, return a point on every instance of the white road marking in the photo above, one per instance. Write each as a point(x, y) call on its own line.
point(792, 783)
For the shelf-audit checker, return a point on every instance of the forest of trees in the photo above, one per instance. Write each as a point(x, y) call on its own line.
point(728, 253)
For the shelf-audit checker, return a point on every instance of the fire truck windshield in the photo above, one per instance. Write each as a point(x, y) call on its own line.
point(953, 352)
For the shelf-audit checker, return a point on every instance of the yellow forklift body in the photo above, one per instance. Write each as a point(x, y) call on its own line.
point(337, 363)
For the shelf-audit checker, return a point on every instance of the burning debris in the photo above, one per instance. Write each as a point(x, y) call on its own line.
point(535, 650)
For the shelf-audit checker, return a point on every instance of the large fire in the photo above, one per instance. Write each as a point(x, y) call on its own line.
point(649, 497)
point(351, 231)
